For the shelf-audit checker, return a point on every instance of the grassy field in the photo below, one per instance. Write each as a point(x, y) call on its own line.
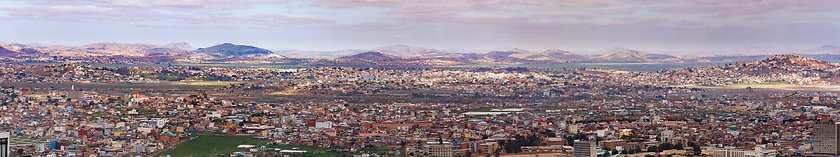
point(487, 110)
point(762, 84)
point(208, 83)
point(210, 144)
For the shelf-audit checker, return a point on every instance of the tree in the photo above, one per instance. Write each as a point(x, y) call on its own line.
point(678, 146)
point(513, 147)
point(653, 149)
point(624, 151)
point(696, 148)
point(570, 140)
point(665, 146)
point(615, 151)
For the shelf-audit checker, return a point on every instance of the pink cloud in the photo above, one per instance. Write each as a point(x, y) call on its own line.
point(80, 13)
point(750, 7)
point(164, 4)
point(591, 13)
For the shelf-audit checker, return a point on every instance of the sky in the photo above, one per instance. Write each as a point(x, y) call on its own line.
point(327, 25)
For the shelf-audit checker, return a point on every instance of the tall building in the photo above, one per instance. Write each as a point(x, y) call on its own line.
point(4, 144)
point(585, 149)
point(826, 132)
point(438, 149)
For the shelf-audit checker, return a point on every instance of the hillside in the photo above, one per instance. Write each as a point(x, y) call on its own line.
point(125, 49)
point(827, 49)
point(179, 46)
point(231, 50)
point(7, 52)
point(779, 64)
point(622, 56)
point(402, 50)
point(11, 51)
point(557, 55)
point(376, 56)
point(630, 56)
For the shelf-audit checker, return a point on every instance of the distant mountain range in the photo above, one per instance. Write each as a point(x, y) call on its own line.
point(554, 56)
point(117, 49)
point(105, 49)
point(407, 55)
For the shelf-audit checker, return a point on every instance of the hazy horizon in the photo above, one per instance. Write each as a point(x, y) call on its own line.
point(330, 25)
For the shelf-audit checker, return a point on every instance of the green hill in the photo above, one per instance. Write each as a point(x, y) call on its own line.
point(228, 49)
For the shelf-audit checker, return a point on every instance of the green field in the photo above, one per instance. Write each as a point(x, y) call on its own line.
point(487, 110)
point(210, 144)
point(209, 83)
point(761, 84)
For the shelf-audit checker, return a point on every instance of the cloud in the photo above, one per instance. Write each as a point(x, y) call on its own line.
point(354, 3)
point(164, 4)
point(591, 13)
point(549, 21)
point(81, 13)
point(200, 13)
point(750, 7)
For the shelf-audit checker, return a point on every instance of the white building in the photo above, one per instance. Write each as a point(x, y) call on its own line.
point(324, 125)
point(758, 151)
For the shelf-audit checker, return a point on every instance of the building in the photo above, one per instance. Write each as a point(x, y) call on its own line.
point(825, 137)
point(324, 125)
point(391, 124)
point(551, 141)
point(585, 149)
point(572, 128)
point(438, 149)
point(4, 144)
point(612, 144)
point(488, 147)
point(757, 151)
point(533, 149)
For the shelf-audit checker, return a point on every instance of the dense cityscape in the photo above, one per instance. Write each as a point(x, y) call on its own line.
point(419, 78)
point(737, 108)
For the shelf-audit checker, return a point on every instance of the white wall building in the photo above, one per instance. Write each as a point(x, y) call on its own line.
point(758, 151)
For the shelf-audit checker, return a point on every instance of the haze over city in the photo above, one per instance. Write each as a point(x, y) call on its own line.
point(328, 25)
